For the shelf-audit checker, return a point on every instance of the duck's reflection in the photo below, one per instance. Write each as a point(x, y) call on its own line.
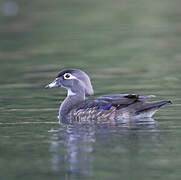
point(72, 147)
point(79, 149)
point(72, 150)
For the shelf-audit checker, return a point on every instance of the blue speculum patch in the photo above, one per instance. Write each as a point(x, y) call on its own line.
point(106, 107)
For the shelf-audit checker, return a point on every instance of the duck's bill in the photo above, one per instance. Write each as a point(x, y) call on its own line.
point(55, 83)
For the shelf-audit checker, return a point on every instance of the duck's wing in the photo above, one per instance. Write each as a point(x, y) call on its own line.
point(93, 103)
point(123, 99)
point(104, 107)
point(116, 105)
point(112, 100)
point(120, 96)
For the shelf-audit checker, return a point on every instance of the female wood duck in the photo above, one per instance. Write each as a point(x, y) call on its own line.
point(110, 107)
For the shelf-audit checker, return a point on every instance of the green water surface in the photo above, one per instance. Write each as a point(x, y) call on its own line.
point(125, 46)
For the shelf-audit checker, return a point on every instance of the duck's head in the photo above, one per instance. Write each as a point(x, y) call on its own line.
point(74, 80)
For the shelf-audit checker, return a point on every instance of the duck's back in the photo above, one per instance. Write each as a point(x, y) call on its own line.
point(115, 107)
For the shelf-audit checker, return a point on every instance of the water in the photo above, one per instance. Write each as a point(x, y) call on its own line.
point(125, 47)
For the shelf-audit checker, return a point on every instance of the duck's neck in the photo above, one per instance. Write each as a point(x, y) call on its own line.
point(67, 105)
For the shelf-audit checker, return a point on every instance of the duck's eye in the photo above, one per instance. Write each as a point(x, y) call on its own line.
point(67, 76)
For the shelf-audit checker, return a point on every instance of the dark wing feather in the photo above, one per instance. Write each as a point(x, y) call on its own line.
point(107, 101)
point(118, 96)
point(91, 103)
point(120, 99)
point(144, 106)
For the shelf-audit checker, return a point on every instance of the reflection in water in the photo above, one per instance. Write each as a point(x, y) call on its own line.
point(79, 149)
point(72, 149)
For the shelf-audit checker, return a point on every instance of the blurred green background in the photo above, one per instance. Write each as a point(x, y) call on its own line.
point(121, 36)
point(125, 46)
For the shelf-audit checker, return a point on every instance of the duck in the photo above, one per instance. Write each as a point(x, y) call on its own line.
point(77, 108)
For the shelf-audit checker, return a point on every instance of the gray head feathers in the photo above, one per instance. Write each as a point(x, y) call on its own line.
point(84, 80)
point(73, 80)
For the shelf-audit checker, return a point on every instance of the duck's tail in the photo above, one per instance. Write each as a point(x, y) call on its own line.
point(150, 108)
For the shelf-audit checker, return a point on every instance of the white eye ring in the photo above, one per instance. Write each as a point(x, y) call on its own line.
point(68, 76)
